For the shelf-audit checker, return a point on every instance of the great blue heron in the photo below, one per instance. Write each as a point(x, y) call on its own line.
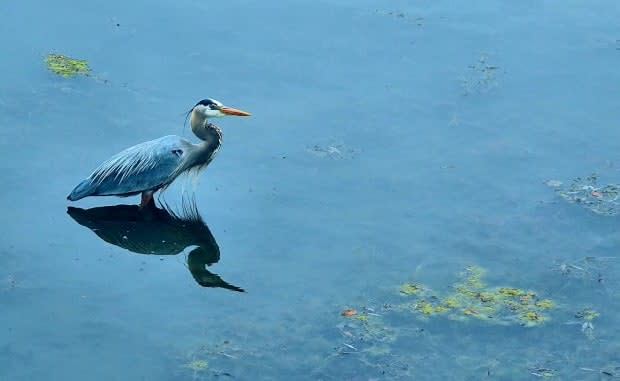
point(147, 167)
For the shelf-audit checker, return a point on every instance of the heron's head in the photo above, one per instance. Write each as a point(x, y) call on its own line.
point(210, 108)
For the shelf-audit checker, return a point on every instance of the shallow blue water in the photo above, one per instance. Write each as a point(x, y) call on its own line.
point(389, 142)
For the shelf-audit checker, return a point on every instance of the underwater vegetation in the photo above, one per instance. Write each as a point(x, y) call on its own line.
point(470, 298)
point(380, 340)
point(195, 365)
point(587, 316)
point(332, 150)
point(587, 192)
point(481, 76)
point(66, 66)
point(411, 331)
point(372, 337)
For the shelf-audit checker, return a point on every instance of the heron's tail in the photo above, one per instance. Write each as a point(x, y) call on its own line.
point(84, 189)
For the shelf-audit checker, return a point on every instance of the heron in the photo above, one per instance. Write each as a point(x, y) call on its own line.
point(148, 167)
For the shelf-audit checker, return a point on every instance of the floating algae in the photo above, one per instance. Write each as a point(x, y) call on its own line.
point(66, 66)
point(473, 276)
point(603, 200)
point(509, 291)
point(587, 314)
point(361, 317)
point(365, 330)
point(424, 307)
point(471, 298)
point(531, 318)
point(587, 327)
point(545, 303)
point(197, 365)
point(410, 288)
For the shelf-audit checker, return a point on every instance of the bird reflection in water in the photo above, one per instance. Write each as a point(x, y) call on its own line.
point(158, 231)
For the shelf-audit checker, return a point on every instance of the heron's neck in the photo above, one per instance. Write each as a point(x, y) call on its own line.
point(198, 122)
point(207, 132)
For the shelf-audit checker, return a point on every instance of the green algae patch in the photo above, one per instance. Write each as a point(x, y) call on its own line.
point(197, 365)
point(424, 307)
point(473, 277)
point(451, 301)
point(440, 309)
point(587, 327)
point(410, 289)
point(545, 303)
point(587, 314)
point(531, 318)
point(510, 291)
point(66, 66)
point(487, 297)
point(472, 299)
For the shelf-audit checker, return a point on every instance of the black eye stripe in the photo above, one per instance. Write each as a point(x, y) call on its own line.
point(208, 103)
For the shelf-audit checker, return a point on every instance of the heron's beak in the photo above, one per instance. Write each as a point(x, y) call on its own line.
point(233, 111)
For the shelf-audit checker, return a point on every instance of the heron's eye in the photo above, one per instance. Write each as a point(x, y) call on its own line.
point(213, 106)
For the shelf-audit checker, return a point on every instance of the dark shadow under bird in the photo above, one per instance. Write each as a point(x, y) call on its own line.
point(153, 165)
point(158, 231)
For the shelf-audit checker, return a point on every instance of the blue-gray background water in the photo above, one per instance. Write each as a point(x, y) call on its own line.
point(390, 142)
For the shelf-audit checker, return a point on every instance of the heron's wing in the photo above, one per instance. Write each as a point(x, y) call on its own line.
point(144, 166)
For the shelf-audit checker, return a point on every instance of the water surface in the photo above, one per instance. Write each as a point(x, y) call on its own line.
point(389, 142)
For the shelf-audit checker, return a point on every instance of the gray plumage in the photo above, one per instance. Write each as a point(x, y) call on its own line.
point(147, 166)
point(155, 164)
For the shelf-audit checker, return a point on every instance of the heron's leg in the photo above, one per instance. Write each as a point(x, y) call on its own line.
point(147, 199)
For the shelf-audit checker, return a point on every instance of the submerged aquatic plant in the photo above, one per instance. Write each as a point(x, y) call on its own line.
point(366, 334)
point(591, 268)
point(587, 314)
point(600, 199)
point(587, 327)
point(481, 76)
point(543, 372)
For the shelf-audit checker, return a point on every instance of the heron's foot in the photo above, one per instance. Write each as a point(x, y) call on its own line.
point(147, 200)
